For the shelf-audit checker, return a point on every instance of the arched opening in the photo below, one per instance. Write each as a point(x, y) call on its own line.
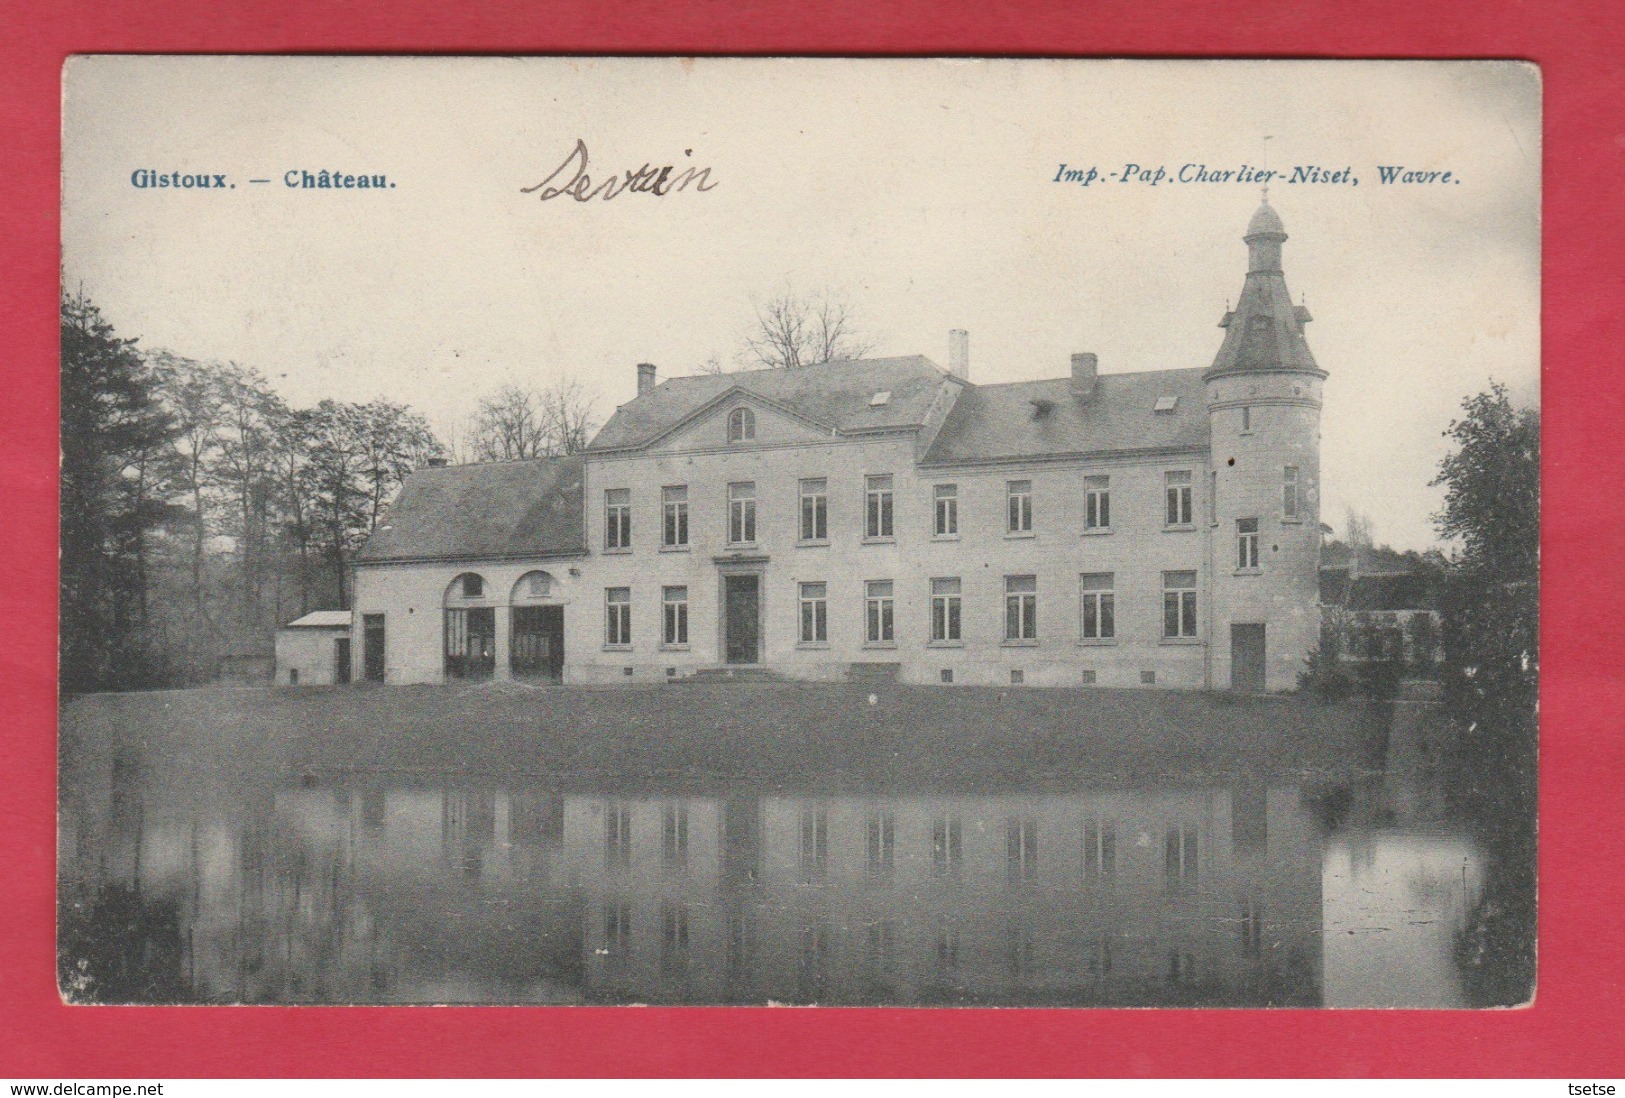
point(471, 628)
point(741, 425)
point(536, 639)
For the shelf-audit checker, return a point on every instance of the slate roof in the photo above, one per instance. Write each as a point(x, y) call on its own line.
point(321, 619)
point(508, 510)
point(1037, 419)
point(834, 395)
point(1265, 330)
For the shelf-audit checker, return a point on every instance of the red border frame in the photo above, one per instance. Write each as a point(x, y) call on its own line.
point(1571, 1030)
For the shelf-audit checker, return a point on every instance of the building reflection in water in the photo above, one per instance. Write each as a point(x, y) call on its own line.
point(361, 890)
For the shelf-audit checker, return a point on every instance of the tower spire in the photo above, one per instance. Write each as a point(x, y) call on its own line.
point(1265, 331)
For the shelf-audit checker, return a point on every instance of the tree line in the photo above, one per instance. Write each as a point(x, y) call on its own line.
point(199, 509)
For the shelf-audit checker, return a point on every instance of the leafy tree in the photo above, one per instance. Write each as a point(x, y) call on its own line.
point(1491, 643)
point(114, 488)
point(359, 456)
point(1492, 584)
point(245, 474)
point(191, 390)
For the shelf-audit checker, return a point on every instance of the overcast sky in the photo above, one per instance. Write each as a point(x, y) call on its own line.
point(921, 190)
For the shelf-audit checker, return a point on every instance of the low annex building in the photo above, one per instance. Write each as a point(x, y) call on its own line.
point(889, 519)
point(314, 650)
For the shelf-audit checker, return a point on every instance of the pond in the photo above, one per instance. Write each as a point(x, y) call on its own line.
point(197, 884)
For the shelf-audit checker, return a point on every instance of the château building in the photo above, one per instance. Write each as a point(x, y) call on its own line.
point(888, 519)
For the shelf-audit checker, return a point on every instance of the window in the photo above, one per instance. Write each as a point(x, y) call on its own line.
point(1181, 965)
point(1099, 850)
point(674, 613)
point(674, 520)
point(815, 510)
point(1098, 606)
point(1020, 608)
point(741, 425)
point(618, 518)
point(1179, 857)
point(618, 626)
point(617, 833)
point(1177, 486)
point(473, 586)
point(1018, 507)
point(1178, 604)
point(814, 842)
point(742, 513)
point(1021, 848)
point(947, 511)
point(879, 611)
point(947, 846)
point(1020, 951)
point(878, 511)
point(945, 609)
point(814, 613)
point(1247, 544)
point(1290, 494)
point(881, 836)
point(1251, 927)
point(1246, 419)
point(673, 938)
point(674, 836)
point(617, 928)
point(1097, 503)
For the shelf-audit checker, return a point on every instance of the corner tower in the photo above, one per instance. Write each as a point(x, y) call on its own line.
point(1263, 402)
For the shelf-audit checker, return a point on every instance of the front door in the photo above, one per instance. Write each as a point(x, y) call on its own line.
point(1247, 659)
point(372, 647)
point(742, 624)
point(537, 646)
point(341, 660)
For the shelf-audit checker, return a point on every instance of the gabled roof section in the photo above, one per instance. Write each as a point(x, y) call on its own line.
point(507, 510)
point(836, 395)
point(1039, 419)
point(321, 619)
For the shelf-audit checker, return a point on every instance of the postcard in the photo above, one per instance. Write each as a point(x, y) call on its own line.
point(900, 532)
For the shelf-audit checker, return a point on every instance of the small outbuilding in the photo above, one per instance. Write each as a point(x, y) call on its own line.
point(314, 650)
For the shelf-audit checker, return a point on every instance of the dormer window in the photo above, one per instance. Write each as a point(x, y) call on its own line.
point(880, 399)
point(1166, 404)
point(741, 425)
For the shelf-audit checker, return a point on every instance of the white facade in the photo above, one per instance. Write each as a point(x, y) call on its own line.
point(1157, 529)
point(312, 655)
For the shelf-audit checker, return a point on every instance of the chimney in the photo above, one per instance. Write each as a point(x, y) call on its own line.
point(959, 354)
point(646, 377)
point(1083, 375)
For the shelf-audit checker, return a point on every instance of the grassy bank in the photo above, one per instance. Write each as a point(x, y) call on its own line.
point(776, 735)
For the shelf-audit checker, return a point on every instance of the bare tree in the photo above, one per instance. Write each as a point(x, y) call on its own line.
point(509, 426)
point(571, 415)
point(516, 424)
point(796, 329)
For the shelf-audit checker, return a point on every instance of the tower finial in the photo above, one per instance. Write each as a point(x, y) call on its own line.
point(1267, 139)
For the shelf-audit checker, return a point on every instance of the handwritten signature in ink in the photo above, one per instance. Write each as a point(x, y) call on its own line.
point(650, 180)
